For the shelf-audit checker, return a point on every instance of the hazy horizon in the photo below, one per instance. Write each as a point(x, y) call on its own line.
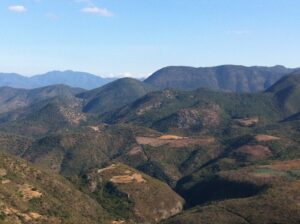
point(105, 37)
point(131, 75)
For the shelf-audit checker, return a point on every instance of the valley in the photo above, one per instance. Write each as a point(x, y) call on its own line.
point(183, 146)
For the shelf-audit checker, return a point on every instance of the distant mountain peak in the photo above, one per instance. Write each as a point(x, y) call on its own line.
point(68, 77)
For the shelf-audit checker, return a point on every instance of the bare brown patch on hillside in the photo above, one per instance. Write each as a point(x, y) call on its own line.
point(117, 222)
point(248, 122)
point(126, 179)
point(111, 167)
point(5, 181)
point(3, 172)
point(147, 107)
point(9, 211)
point(284, 165)
point(171, 137)
point(175, 142)
point(207, 116)
point(135, 150)
point(28, 192)
point(27, 217)
point(72, 115)
point(254, 152)
point(95, 128)
point(263, 175)
point(266, 138)
point(35, 215)
point(154, 103)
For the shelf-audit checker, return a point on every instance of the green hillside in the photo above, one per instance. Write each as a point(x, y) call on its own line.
point(233, 78)
point(266, 193)
point(171, 110)
point(32, 196)
point(142, 156)
point(130, 195)
point(286, 92)
point(114, 95)
point(45, 117)
point(12, 99)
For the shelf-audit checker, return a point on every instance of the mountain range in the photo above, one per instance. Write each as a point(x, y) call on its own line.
point(142, 152)
point(232, 78)
point(76, 79)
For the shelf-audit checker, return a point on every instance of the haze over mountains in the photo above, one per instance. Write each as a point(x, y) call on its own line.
point(76, 79)
point(225, 78)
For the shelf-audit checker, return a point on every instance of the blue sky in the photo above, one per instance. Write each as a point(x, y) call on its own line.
point(137, 37)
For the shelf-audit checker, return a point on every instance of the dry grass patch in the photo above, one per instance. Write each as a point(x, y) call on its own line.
point(111, 167)
point(263, 175)
point(95, 128)
point(254, 152)
point(173, 141)
point(35, 215)
point(284, 165)
point(6, 181)
point(266, 138)
point(117, 222)
point(248, 122)
point(27, 217)
point(171, 137)
point(126, 179)
point(3, 172)
point(28, 192)
point(135, 151)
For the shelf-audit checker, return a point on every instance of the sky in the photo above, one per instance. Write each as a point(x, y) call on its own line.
point(137, 37)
